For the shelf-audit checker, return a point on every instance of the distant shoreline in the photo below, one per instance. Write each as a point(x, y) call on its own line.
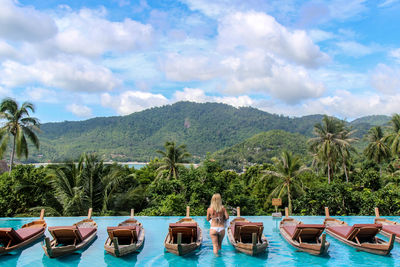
point(105, 162)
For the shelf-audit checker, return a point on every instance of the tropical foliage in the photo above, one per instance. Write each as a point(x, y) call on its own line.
point(393, 136)
point(331, 145)
point(20, 126)
point(86, 184)
point(288, 170)
point(347, 181)
point(173, 157)
point(377, 149)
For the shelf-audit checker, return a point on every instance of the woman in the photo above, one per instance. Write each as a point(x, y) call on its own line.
point(217, 216)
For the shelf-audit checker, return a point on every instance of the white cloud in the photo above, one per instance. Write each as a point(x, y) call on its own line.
point(342, 103)
point(41, 95)
point(70, 73)
point(386, 79)
point(395, 54)
point(292, 84)
point(7, 51)
point(190, 67)
point(212, 8)
point(199, 96)
point(255, 54)
point(24, 23)
point(355, 49)
point(319, 35)
point(261, 31)
point(345, 9)
point(80, 110)
point(387, 3)
point(192, 95)
point(288, 83)
point(88, 33)
point(4, 92)
point(132, 101)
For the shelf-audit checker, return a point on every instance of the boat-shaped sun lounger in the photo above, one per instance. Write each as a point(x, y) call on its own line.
point(126, 238)
point(183, 236)
point(388, 227)
point(67, 239)
point(360, 236)
point(247, 236)
point(305, 237)
point(11, 239)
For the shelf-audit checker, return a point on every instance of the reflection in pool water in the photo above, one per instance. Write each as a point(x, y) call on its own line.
point(153, 253)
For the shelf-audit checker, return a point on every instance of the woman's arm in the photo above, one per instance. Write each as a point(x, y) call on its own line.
point(208, 214)
point(226, 214)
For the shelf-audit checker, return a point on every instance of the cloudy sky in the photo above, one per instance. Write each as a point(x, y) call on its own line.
point(80, 59)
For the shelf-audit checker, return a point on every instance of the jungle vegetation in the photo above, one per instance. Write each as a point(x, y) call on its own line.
point(357, 183)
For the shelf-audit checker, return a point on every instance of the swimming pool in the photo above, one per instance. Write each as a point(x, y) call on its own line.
point(279, 252)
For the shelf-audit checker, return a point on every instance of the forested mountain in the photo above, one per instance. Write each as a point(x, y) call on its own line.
point(363, 124)
point(205, 127)
point(261, 148)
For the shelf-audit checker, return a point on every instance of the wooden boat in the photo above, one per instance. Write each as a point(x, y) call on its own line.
point(247, 236)
point(126, 238)
point(360, 236)
point(183, 236)
point(305, 237)
point(388, 227)
point(11, 239)
point(67, 239)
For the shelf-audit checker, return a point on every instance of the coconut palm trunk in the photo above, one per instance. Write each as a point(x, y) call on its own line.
point(289, 198)
point(329, 173)
point(12, 155)
point(345, 171)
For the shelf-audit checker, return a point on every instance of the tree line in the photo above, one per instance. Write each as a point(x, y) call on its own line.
point(340, 178)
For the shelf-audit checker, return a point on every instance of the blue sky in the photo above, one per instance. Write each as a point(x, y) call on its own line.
point(81, 59)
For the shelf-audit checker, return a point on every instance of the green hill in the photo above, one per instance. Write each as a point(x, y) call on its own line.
point(204, 127)
point(261, 148)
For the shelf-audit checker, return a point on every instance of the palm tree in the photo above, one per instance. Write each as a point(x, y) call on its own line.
point(172, 158)
point(86, 184)
point(393, 137)
point(327, 146)
point(346, 149)
point(20, 126)
point(66, 180)
point(288, 169)
point(377, 150)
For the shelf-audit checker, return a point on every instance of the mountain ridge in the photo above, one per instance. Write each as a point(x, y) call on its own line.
point(203, 127)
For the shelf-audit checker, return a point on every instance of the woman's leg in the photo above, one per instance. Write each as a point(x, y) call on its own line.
point(214, 239)
point(221, 236)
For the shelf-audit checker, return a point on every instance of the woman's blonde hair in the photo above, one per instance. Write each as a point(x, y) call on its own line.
point(216, 202)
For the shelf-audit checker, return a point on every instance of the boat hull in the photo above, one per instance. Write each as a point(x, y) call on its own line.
point(183, 249)
point(24, 243)
point(380, 248)
point(122, 250)
point(397, 238)
point(248, 248)
point(314, 249)
point(52, 251)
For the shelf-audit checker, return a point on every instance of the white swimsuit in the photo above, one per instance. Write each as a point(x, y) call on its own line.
point(216, 228)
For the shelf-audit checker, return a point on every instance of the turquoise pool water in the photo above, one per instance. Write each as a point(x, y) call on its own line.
point(279, 252)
